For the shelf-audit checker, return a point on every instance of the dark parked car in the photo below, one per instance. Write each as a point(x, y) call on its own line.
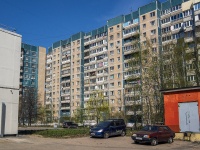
point(154, 134)
point(109, 128)
point(69, 124)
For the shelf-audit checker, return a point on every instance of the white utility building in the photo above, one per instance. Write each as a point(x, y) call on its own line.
point(10, 50)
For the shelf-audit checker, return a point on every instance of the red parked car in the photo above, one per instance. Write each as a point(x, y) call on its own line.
point(154, 134)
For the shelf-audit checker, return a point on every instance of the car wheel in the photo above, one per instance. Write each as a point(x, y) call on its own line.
point(170, 140)
point(123, 133)
point(106, 135)
point(136, 142)
point(154, 142)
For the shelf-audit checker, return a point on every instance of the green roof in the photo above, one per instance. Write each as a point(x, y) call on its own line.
point(147, 8)
point(77, 36)
point(115, 21)
point(29, 47)
point(56, 44)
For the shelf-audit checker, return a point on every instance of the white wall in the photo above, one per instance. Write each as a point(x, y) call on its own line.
point(10, 50)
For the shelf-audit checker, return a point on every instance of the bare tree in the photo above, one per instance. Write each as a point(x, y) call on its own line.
point(146, 85)
point(41, 114)
point(28, 105)
point(97, 107)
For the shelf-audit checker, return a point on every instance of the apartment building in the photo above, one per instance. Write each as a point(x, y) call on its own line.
point(10, 47)
point(99, 59)
point(96, 64)
point(53, 61)
point(181, 20)
point(32, 70)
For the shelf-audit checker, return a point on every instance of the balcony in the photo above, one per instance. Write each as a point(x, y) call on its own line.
point(48, 68)
point(65, 101)
point(130, 34)
point(188, 39)
point(187, 18)
point(49, 61)
point(66, 61)
point(65, 108)
point(65, 94)
point(49, 56)
point(48, 79)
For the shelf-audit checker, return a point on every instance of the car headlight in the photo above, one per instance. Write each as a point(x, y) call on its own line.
point(146, 136)
point(100, 130)
point(134, 135)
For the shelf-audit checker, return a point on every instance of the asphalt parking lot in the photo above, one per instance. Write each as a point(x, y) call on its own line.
point(33, 142)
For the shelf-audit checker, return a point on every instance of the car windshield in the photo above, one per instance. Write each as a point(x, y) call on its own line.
point(150, 128)
point(103, 124)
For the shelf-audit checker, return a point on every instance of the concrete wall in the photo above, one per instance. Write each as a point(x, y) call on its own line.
point(10, 49)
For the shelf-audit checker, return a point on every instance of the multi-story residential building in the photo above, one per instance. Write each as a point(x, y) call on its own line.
point(10, 46)
point(99, 60)
point(32, 70)
point(53, 80)
point(181, 20)
point(96, 76)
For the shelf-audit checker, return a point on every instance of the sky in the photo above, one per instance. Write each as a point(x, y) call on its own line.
point(43, 22)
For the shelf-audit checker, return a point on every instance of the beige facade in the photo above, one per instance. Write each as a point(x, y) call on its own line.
point(76, 75)
point(41, 74)
point(52, 101)
point(116, 91)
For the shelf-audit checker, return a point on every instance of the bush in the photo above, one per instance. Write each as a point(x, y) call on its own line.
point(64, 133)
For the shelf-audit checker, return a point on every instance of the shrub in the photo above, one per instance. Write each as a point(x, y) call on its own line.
point(64, 133)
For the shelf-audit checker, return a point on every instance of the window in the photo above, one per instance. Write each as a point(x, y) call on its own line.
point(177, 26)
point(187, 13)
point(152, 14)
point(118, 66)
point(166, 20)
point(153, 32)
point(118, 35)
point(143, 17)
point(112, 76)
point(144, 34)
point(111, 37)
point(111, 44)
point(112, 60)
point(188, 23)
point(144, 43)
point(118, 75)
point(191, 78)
point(153, 40)
point(118, 51)
point(166, 11)
point(153, 23)
point(118, 58)
point(154, 50)
point(165, 30)
point(119, 83)
point(111, 52)
point(119, 108)
point(112, 68)
point(111, 29)
point(118, 26)
point(144, 26)
point(112, 84)
point(197, 6)
point(176, 17)
point(111, 92)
